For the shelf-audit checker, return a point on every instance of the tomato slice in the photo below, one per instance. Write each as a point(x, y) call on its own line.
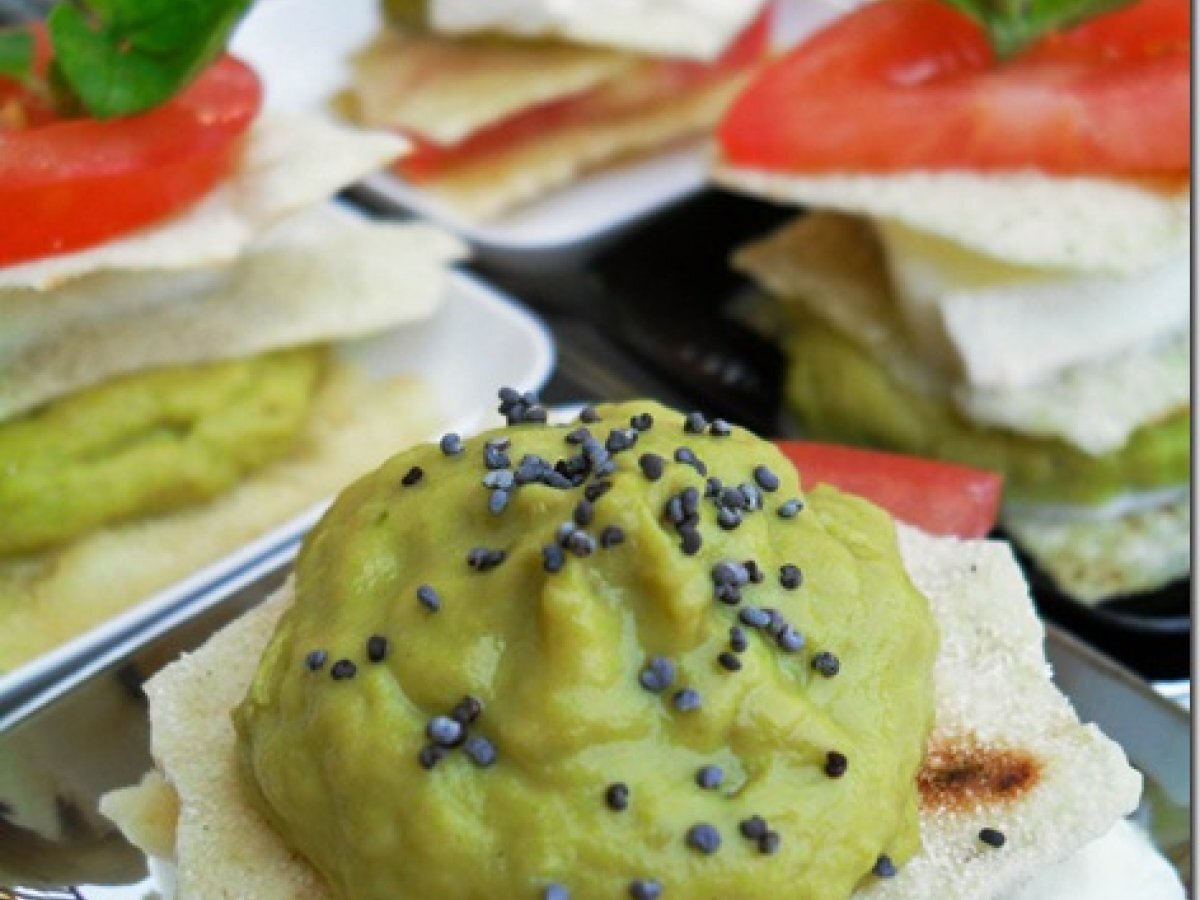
point(654, 81)
point(937, 497)
point(68, 184)
point(913, 84)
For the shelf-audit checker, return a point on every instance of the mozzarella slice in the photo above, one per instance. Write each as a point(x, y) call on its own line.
point(1011, 326)
point(1075, 223)
point(321, 276)
point(697, 29)
point(291, 162)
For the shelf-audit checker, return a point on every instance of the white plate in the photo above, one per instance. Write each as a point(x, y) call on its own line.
point(478, 341)
point(299, 48)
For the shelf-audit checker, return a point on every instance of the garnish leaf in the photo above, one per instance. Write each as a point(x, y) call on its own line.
point(1013, 25)
point(16, 54)
point(120, 57)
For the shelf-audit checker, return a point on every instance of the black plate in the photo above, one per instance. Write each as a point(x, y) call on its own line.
point(660, 313)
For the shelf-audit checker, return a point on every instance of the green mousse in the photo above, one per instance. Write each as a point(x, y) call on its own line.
point(578, 671)
point(841, 394)
point(147, 443)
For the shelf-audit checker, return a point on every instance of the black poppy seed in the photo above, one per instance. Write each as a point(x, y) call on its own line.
point(993, 837)
point(720, 428)
point(790, 640)
point(589, 415)
point(674, 510)
point(710, 777)
point(578, 436)
point(686, 700)
point(729, 594)
point(581, 544)
point(500, 443)
point(343, 669)
point(738, 642)
point(729, 661)
point(777, 623)
point(451, 444)
point(686, 456)
point(657, 675)
point(730, 572)
point(496, 459)
point(752, 495)
point(604, 469)
point(500, 479)
point(753, 828)
point(790, 576)
point(884, 867)
point(429, 598)
point(377, 648)
point(412, 476)
point(690, 541)
point(563, 533)
point(620, 440)
point(789, 509)
point(732, 498)
point(836, 764)
point(645, 889)
point(535, 415)
point(754, 572)
point(695, 423)
point(315, 660)
point(552, 558)
point(826, 663)
point(616, 795)
point(445, 731)
point(754, 617)
point(768, 843)
point(612, 536)
point(705, 838)
point(467, 710)
point(430, 756)
point(557, 480)
point(498, 501)
point(642, 421)
point(481, 559)
point(597, 489)
point(729, 519)
point(766, 479)
point(481, 751)
point(556, 892)
point(509, 395)
point(584, 513)
point(690, 500)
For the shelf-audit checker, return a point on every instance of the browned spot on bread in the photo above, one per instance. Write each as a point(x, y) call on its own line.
point(963, 774)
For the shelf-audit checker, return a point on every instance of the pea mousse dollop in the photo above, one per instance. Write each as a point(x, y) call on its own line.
point(625, 657)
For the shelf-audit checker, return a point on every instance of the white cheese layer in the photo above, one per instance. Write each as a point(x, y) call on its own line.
point(1009, 326)
point(696, 29)
point(291, 162)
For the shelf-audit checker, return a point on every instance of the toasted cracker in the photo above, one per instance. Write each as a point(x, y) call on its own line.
point(49, 598)
point(1076, 223)
point(446, 90)
point(675, 28)
point(319, 277)
point(291, 162)
point(1058, 784)
point(517, 176)
point(833, 267)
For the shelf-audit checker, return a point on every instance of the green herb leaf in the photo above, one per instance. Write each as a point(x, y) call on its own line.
point(16, 54)
point(1013, 25)
point(120, 57)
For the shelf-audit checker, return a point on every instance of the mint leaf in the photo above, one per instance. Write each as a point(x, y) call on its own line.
point(1013, 25)
point(16, 55)
point(120, 57)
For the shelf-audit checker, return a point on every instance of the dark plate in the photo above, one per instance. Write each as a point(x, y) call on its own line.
point(660, 313)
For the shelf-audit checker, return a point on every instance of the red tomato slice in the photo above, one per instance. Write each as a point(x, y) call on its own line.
point(912, 84)
point(937, 497)
point(652, 83)
point(74, 183)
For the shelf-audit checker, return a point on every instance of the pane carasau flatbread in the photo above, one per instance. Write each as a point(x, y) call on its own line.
point(1007, 751)
point(319, 276)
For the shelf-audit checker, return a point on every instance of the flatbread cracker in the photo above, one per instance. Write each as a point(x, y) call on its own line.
point(291, 162)
point(509, 179)
point(320, 276)
point(1007, 751)
point(1074, 223)
point(833, 267)
point(446, 90)
point(49, 598)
